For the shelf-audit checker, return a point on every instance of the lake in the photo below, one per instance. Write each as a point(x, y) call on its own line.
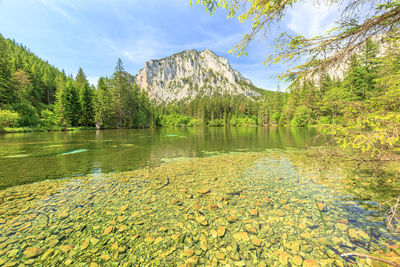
point(182, 197)
point(31, 157)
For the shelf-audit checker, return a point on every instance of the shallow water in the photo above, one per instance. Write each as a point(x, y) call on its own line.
point(242, 209)
point(208, 197)
point(30, 157)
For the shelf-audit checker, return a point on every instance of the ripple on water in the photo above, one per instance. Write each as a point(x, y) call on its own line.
point(75, 151)
point(17, 156)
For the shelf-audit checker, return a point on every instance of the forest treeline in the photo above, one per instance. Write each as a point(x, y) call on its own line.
point(36, 95)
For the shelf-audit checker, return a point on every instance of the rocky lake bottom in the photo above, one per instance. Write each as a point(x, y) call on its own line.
point(234, 209)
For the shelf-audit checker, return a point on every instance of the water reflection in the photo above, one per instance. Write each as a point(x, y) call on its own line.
point(31, 157)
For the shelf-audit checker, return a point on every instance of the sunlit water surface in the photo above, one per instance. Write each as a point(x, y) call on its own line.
point(30, 157)
point(212, 196)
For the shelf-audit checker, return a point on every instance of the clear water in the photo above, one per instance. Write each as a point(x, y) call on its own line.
point(274, 208)
point(30, 157)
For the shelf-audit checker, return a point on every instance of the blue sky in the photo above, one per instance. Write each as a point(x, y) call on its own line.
point(93, 34)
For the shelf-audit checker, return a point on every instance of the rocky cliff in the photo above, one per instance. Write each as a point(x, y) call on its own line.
point(190, 73)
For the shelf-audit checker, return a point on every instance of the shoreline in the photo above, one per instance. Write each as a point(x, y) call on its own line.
point(9, 130)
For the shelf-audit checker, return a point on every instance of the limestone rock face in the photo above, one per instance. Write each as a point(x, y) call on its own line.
point(190, 73)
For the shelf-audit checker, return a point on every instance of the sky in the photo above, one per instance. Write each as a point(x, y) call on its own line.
point(93, 34)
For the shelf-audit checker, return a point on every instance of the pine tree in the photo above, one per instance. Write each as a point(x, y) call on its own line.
point(276, 106)
point(6, 89)
point(23, 85)
point(103, 102)
point(124, 97)
point(145, 106)
point(354, 81)
point(80, 78)
point(61, 102)
point(73, 106)
point(370, 63)
point(362, 72)
point(86, 99)
point(119, 83)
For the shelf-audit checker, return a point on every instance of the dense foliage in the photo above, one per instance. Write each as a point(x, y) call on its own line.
point(359, 108)
point(356, 22)
point(36, 95)
point(218, 110)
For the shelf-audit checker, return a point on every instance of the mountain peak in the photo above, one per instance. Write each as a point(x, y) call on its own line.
point(208, 52)
point(189, 74)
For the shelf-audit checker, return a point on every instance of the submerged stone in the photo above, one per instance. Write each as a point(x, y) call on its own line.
point(310, 263)
point(149, 239)
point(231, 219)
point(105, 257)
point(108, 230)
point(188, 253)
point(322, 207)
point(32, 252)
point(257, 242)
point(253, 212)
point(250, 229)
point(123, 208)
point(341, 227)
point(202, 220)
point(63, 215)
point(85, 244)
point(192, 261)
point(283, 258)
point(94, 241)
point(241, 236)
point(221, 231)
point(47, 254)
point(297, 260)
point(204, 190)
point(65, 248)
point(221, 256)
point(53, 242)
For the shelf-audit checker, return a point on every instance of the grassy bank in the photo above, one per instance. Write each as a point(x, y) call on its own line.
point(53, 129)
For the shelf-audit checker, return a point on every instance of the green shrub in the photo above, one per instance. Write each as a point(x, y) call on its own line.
point(194, 122)
point(141, 120)
point(178, 120)
point(48, 119)
point(217, 122)
point(302, 117)
point(8, 118)
point(325, 120)
point(276, 117)
point(28, 114)
point(243, 120)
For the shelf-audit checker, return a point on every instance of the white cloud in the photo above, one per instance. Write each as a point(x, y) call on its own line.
point(216, 42)
point(311, 19)
point(59, 10)
point(154, 44)
point(93, 80)
point(148, 44)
